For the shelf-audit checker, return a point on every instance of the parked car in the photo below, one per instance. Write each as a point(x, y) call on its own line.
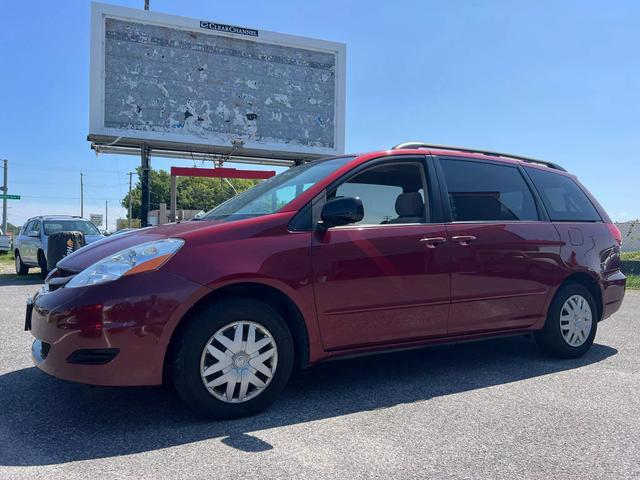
point(5, 243)
point(31, 243)
point(413, 246)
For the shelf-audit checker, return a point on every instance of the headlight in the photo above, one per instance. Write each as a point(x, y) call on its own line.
point(141, 258)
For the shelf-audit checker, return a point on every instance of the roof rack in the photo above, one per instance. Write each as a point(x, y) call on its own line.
point(412, 145)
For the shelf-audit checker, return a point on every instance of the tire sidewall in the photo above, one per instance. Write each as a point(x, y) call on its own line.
point(21, 268)
point(552, 337)
point(206, 322)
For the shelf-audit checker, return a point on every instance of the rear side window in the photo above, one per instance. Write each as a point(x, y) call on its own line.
point(480, 191)
point(563, 198)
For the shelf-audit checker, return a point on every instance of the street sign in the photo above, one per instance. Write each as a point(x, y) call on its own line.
point(5, 196)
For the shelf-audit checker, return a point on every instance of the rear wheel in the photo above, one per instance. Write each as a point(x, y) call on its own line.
point(571, 323)
point(42, 262)
point(233, 359)
point(21, 268)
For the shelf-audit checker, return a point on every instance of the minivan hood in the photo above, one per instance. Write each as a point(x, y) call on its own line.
point(96, 251)
point(194, 233)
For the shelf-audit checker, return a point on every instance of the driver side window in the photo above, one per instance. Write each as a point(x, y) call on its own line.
point(392, 193)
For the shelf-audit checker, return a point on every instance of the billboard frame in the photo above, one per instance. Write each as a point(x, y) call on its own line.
point(104, 139)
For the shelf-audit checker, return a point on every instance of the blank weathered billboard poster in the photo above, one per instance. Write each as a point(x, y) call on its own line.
point(200, 86)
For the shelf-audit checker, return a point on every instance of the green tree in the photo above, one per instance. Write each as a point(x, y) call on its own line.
point(12, 228)
point(194, 193)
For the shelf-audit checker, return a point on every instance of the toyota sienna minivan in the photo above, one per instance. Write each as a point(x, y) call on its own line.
point(413, 246)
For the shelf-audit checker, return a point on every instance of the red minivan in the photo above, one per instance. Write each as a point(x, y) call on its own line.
point(412, 246)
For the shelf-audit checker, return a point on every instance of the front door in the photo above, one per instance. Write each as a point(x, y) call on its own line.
point(504, 259)
point(31, 244)
point(384, 279)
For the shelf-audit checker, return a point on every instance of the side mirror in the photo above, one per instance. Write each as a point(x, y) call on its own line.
point(33, 234)
point(342, 211)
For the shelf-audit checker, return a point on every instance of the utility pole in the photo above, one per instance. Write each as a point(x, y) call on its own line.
point(81, 195)
point(130, 209)
point(106, 215)
point(5, 188)
point(146, 4)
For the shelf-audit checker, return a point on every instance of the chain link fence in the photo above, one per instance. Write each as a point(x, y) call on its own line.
point(630, 235)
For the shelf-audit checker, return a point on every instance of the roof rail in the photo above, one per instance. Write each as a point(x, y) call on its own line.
point(412, 145)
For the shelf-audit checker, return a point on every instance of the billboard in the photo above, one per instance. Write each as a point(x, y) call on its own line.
point(96, 219)
point(194, 85)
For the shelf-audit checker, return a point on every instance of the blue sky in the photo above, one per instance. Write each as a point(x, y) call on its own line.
point(548, 79)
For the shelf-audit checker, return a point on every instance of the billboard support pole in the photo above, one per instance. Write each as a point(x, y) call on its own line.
point(130, 173)
point(144, 183)
point(174, 200)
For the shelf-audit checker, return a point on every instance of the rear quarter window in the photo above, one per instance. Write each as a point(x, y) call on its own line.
point(563, 198)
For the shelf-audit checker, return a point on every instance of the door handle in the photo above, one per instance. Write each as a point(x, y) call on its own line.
point(463, 239)
point(433, 242)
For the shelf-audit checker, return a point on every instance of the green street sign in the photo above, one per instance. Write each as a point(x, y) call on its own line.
point(9, 197)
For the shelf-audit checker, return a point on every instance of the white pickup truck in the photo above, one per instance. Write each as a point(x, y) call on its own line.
point(5, 242)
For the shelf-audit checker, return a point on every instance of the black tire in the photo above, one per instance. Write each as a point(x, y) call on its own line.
point(42, 262)
point(551, 339)
point(191, 342)
point(21, 268)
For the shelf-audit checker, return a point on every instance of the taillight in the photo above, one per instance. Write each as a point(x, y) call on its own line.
point(615, 233)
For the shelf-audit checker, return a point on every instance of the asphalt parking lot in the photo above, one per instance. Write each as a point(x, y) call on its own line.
point(494, 409)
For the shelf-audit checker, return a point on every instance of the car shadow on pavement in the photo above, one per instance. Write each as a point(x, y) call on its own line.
point(12, 279)
point(46, 421)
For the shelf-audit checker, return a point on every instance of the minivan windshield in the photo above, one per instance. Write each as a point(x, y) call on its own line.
point(274, 193)
point(79, 225)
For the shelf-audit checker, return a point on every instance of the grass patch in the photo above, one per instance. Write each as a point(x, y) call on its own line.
point(6, 258)
point(630, 255)
point(8, 270)
point(633, 282)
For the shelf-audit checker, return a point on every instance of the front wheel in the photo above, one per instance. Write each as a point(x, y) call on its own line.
point(233, 359)
point(571, 323)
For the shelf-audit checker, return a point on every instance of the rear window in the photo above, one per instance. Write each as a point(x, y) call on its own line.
point(481, 191)
point(563, 198)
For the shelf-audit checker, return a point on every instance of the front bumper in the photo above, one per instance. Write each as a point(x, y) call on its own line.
point(112, 334)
